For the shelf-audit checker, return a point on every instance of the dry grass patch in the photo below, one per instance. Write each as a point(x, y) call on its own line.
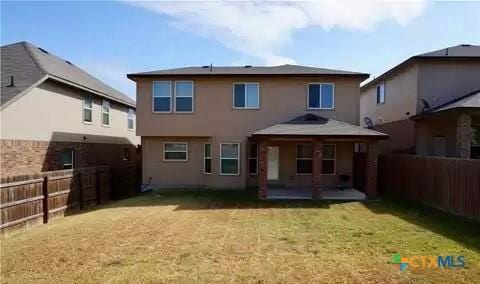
point(228, 237)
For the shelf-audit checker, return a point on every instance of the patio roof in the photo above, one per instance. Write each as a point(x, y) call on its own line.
point(314, 125)
point(468, 101)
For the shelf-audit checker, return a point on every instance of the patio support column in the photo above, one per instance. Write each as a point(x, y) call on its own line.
point(464, 136)
point(262, 169)
point(371, 170)
point(317, 169)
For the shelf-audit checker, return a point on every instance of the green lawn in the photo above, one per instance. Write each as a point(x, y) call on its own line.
point(228, 237)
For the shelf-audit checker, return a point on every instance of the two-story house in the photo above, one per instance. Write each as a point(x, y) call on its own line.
point(56, 116)
point(429, 104)
point(285, 126)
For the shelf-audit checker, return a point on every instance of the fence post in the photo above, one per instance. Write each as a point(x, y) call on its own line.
point(45, 199)
point(97, 185)
point(80, 189)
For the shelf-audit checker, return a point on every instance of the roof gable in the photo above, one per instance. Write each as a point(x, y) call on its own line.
point(29, 63)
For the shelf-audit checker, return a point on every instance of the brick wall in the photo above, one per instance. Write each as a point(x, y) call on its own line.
point(27, 156)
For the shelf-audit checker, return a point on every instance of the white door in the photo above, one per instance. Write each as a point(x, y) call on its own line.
point(273, 159)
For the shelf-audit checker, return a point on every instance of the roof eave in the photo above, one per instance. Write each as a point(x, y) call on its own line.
point(73, 84)
point(133, 76)
point(376, 137)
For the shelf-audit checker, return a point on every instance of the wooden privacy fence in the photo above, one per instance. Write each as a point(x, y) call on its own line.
point(30, 199)
point(449, 184)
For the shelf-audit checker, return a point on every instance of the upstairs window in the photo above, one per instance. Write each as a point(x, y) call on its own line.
point(105, 113)
point(183, 96)
point(381, 94)
point(162, 96)
point(321, 96)
point(246, 96)
point(87, 108)
point(131, 119)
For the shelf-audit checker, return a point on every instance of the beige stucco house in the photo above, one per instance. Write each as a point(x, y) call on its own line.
point(56, 116)
point(286, 127)
point(429, 104)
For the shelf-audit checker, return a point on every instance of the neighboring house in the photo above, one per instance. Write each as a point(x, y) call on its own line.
point(234, 127)
point(428, 104)
point(56, 116)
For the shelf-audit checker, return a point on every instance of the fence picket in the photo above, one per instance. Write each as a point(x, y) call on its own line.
point(449, 184)
point(30, 198)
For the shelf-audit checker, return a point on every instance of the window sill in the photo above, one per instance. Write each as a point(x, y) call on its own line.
point(244, 108)
point(88, 122)
point(106, 126)
point(313, 109)
point(173, 112)
point(232, 175)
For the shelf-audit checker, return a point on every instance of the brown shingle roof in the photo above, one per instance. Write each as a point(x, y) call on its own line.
point(313, 125)
point(28, 64)
point(247, 70)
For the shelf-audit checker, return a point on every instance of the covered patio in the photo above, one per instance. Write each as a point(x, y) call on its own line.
point(311, 157)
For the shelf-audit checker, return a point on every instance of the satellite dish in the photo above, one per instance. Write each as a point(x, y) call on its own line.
point(426, 105)
point(368, 122)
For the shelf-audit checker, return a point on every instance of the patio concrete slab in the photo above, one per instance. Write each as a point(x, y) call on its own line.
point(306, 193)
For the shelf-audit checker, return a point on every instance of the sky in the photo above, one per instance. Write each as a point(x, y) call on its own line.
point(111, 39)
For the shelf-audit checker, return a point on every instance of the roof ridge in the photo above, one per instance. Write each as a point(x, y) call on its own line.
point(26, 45)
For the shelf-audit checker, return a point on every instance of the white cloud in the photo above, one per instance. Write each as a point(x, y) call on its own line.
point(261, 29)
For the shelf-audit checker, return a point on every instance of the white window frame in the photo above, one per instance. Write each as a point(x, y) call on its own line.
point(382, 88)
point(209, 158)
point(72, 151)
point(153, 96)
point(132, 119)
point(175, 96)
point(328, 159)
point(175, 160)
point(245, 83)
point(109, 113)
point(320, 101)
point(89, 108)
point(306, 159)
point(251, 158)
point(238, 160)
